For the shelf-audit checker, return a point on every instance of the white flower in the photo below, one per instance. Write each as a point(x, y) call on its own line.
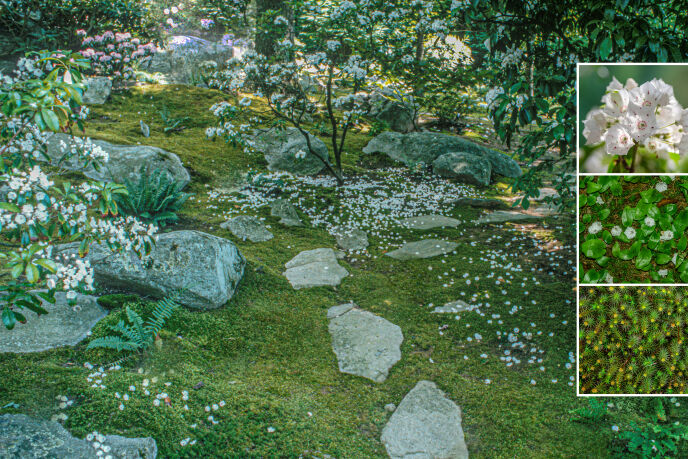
point(630, 232)
point(649, 221)
point(595, 228)
point(616, 231)
point(615, 428)
point(599, 200)
point(666, 235)
point(661, 186)
point(663, 272)
point(617, 140)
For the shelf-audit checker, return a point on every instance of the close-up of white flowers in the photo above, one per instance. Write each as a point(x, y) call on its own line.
point(637, 120)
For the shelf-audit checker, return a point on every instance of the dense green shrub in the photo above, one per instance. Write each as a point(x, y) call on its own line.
point(38, 24)
point(155, 198)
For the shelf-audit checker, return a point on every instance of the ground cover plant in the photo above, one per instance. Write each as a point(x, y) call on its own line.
point(631, 340)
point(632, 229)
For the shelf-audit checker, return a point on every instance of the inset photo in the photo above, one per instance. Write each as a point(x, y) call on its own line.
point(632, 118)
point(632, 229)
point(632, 340)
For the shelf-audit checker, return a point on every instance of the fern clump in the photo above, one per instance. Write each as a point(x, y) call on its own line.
point(632, 340)
point(155, 198)
point(137, 335)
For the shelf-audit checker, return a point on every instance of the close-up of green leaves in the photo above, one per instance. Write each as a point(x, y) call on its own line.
point(631, 340)
point(632, 229)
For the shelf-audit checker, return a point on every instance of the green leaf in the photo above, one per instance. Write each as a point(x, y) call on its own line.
point(627, 216)
point(605, 48)
point(594, 248)
point(8, 318)
point(642, 262)
point(662, 258)
point(682, 243)
point(604, 213)
point(50, 119)
point(593, 187)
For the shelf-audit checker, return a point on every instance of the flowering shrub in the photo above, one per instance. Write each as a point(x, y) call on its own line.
point(639, 238)
point(48, 24)
point(114, 54)
point(37, 210)
point(638, 119)
point(631, 340)
point(286, 85)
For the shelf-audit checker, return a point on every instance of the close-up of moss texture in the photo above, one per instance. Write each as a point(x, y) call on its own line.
point(632, 340)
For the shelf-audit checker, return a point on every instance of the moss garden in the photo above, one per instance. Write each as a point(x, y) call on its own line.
point(632, 229)
point(632, 340)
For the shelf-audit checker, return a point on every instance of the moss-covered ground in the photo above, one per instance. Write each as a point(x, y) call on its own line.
point(267, 354)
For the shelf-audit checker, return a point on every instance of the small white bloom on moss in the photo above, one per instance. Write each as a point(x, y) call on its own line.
point(630, 232)
point(616, 231)
point(595, 228)
point(649, 221)
point(661, 186)
point(666, 235)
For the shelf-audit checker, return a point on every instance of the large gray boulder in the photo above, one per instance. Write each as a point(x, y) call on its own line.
point(426, 425)
point(207, 267)
point(314, 268)
point(24, 437)
point(464, 167)
point(184, 57)
point(384, 105)
point(366, 345)
point(98, 90)
point(426, 248)
point(428, 146)
point(64, 325)
point(124, 163)
point(287, 150)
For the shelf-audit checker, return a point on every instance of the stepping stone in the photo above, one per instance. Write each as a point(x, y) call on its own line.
point(426, 248)
point(454, 307)
point(314, 268)
point(426, 425)
point(480, 203)
point(504, 216)
point(287, 213)
point(23, 437)
point(62, 326)
point(350, 239)
point(425, 222)
point(247, 227)
point(365, 344)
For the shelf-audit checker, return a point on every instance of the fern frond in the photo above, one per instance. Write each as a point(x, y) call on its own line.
point(113, 342)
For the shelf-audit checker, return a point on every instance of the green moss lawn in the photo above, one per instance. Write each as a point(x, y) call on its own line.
point(267, 354)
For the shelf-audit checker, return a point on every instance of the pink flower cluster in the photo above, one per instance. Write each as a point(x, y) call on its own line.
point(114, 54)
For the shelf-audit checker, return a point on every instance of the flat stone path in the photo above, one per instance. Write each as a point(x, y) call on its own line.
point(426, 425)
point(425, 222)
point(426, 248)
point(365, 344)
point(314, 268)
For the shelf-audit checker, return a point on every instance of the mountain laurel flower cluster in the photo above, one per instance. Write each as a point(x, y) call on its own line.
point(37, 213)
point(632, 116)
point(114, 54)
